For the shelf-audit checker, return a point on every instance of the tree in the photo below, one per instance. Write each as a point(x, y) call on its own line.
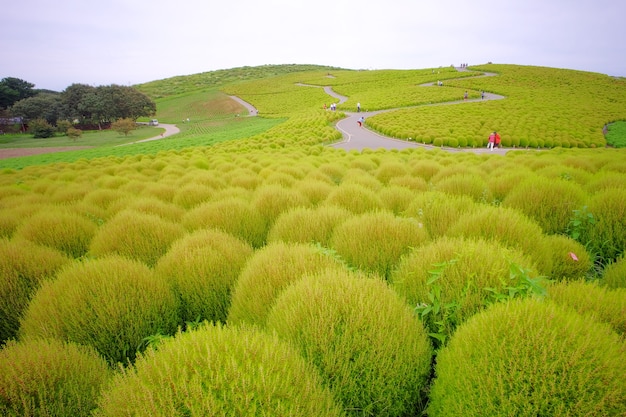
point(13, 90)
point(124, 126)
point(73, 98)
point(42, 106)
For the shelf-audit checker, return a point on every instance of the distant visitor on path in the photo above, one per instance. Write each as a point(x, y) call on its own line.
point(465, 96)
point(492, 141)
point(497, 139)
point(361, 121)
point(482, 94)
point(358, 107)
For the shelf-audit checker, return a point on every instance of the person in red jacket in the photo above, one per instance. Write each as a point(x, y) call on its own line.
point(498, 139)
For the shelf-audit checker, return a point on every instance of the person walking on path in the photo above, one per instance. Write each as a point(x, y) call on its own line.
point(497, 139)
point(492, 141)
point(361, 121)
point(358, 107)
point(465, 95)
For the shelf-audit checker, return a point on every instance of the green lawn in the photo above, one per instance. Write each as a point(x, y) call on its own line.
point(101, 138)
point(616, 135)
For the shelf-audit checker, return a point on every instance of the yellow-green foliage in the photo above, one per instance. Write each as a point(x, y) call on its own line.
point(267, 273)
point(135, 235)
point(231, 215)
point(111, 304)
point(543, 107)
point(588, 298)
point(374, 242)
point(530, 358)
point(219, 371)
point(307, 225)
point(467, 267)
point(609, 232)
point(50, 378)
point(272, 200)
point(59, 228)
point(23, 266)
point(202, 268)
point(570, 259)
point(438, 211)
point(461, 184)
point(355, 198)
point(510, 227)
point(367, 344)
point(615, 274)
point(550, 202)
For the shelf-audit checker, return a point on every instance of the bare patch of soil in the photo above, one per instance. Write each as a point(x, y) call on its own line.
point(17, 152)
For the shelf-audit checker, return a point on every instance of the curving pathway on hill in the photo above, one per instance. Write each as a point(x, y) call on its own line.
point(359, 138)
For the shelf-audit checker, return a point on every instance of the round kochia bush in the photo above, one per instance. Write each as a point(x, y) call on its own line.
point(369, 347)
point(603, 304)
point(267, 273)
point(202, 269)
point(135, 235)
point(460, 275)
point(219, 371)
point(23, 266)
point(50, 378)
point(111, 304)
point(530, 358)
point(375, 241)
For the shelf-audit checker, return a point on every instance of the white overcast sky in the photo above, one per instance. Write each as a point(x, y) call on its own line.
point(54, 44)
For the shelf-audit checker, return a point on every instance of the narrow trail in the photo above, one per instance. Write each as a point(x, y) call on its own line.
point(359, 138)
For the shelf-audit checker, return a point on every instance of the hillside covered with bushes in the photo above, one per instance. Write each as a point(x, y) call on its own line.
point(266, 273)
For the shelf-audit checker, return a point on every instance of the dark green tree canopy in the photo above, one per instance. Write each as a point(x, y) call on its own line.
point(13, 90)
point(42, 106)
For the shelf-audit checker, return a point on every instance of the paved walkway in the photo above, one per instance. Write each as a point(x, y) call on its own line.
point(359, 138)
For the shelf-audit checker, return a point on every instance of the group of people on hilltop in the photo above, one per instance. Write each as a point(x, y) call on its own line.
point(494, 141)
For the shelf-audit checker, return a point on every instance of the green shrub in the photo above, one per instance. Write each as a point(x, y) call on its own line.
point(231, 215)
point(369, 347)
point(461, 184)
point(135, 235)
point(396, 198)
point(425, 168)
point(603, 304)
point(438, 211)
point(23, 266)
point(570, 259)
point(40, 128)
point(219, 371)
point(614, 275)
point(267, 273)
point(202, 269)
point(530, 358)
point(316, 191)
point(360, 177)
point(59, 228)
point(355, 198)
point(375, 241)
point(608, 235)
point(451, 279)
point(272, 200)
point(391, 169)
point(111, 304)
point(50, 378)
point(510, 227)
point(307, 225)
point(549, 202)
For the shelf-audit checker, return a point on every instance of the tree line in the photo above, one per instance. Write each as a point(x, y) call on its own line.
point(79, 104)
